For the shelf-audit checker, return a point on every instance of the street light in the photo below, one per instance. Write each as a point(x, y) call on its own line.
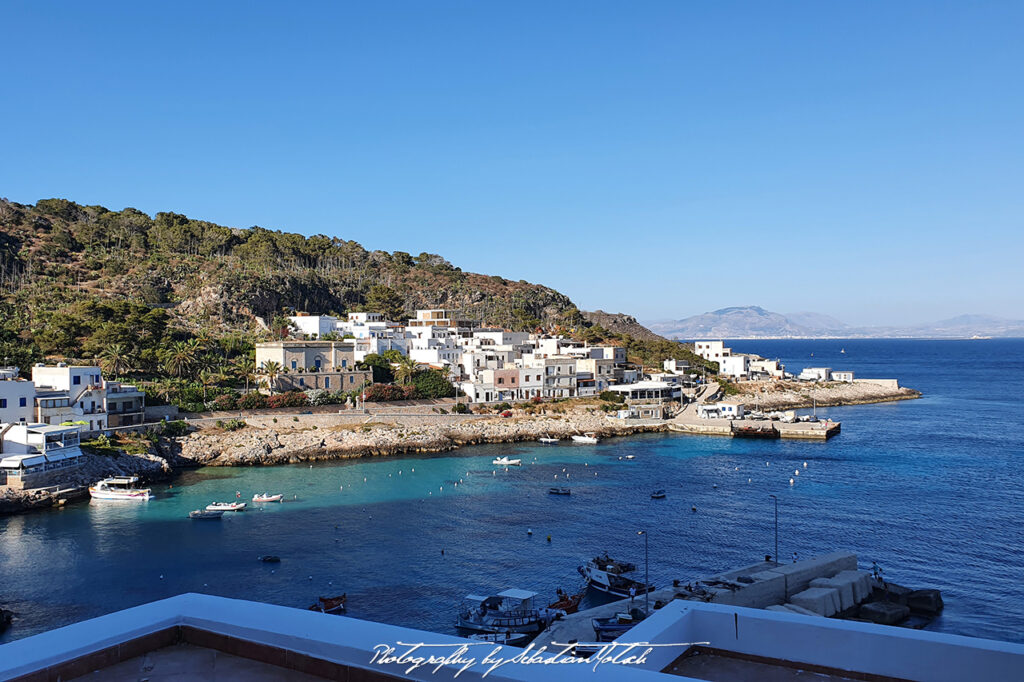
point(776, 528)
point(647, 576)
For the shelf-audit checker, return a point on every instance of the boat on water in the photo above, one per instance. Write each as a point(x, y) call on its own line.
point(658, 495)
point(205, 515)
point(548, 440)
point(119, 488)
point(610, 629)
point(607, 575)
point(508, 611)
point(630, 456)
point(269, 559)
point(559, 491)
point(509, 638)
point(506, 462)
point(267, 497)
point(567, 603)
point(334, 605)
point(587, 438)
point(226, 506)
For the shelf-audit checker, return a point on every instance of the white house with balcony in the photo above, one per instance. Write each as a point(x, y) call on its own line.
point(711, 350)
point(70, 395)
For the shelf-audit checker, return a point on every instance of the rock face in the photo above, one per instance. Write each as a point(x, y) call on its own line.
point(267, 446)
point(925, 601)
point(621, 324)
point(788, 395)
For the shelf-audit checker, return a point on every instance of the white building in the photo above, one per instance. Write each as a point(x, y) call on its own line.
point(736, 366)
point(559, 374)
point(17, 397)
point(66, 394)
point(771, 368)
point(841, 375)
point(676, 366)
point(314, 326)
point(815, 374)
point(711, 350)
point(30, 453)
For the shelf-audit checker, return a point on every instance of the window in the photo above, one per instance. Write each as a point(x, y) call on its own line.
point(3, 403)
point(327, 382)
point(22, 402)
point(294, 364)
point(302, 382)
point(351, 380)
point(344, 364)
point(76, 380)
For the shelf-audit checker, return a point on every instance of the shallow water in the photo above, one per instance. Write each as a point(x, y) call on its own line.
point(929, 488)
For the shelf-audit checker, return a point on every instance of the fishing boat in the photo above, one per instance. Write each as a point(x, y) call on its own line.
point(607, 575)
point(267, 497)
point(506, 462)
point(587, 439)
point(269, 559)
point(226, 506)
point(559, 491)
point(610, 629)
point(204, 515)
point(509, 638)
point(119, 488)
point(548, 440)
point(658, 495)
point(335, 605)
point(508, 611)
point(567, 603)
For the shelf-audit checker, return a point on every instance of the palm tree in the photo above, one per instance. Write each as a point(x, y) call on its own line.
point(117, 359)
point(179, 359)
point(209, 378)
point(245, 369)
point(271, 370)
point(406, 369)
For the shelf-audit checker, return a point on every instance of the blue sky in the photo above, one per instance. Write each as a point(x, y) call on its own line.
point(659, 158)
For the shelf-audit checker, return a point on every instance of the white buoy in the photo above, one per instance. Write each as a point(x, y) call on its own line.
point(310, 577)
point(796, 472)
point(748, 480)
point(364, 479)
point(791, 481)
point(737, 468)
point(529, 531)
point(766, 463)
point(161, 577)
point(805, 465)
point(414, 471)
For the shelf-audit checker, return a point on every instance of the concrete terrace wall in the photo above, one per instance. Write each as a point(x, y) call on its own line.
point(891, 384)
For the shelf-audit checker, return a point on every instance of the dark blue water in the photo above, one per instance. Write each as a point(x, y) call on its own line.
point(929, 488)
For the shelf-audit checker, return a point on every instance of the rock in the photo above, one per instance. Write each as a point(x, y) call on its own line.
point(884, 612)
point(927, 601)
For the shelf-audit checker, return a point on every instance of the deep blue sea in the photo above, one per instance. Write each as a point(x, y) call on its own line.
point(931, 489)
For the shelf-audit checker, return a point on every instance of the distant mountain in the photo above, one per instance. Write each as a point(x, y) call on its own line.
point(748, 322)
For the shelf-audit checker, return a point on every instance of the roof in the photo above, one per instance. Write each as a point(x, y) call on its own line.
point(513, 593)
point(642, 385)
point(17, 461)
point(51, 428)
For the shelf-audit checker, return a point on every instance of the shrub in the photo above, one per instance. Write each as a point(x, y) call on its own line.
point(379, 393)
point(611, 397)
point(432, 383)
point(175, 429)
point(536, 400)
point(227, 401)
point(318, 396)
point(501, 407)
point(460, 408)
point(231, 424)
point(192, 407)
point(252, 401)
point(289, 399)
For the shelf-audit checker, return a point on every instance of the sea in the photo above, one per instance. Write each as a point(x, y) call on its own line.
point(930, 489)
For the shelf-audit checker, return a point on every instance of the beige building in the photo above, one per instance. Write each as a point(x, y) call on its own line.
point(329, 365)
point(439, 317)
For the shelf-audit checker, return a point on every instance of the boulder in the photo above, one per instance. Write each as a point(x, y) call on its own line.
point(884, 612)
point(925, 601)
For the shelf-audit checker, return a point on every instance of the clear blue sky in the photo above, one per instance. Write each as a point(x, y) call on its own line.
point(862, 159)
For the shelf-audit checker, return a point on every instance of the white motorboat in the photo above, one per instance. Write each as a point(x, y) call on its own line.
point(548, 440)
point(506, 462)
point(587, 438)
point(608, 575)
point(226, 506)
point(511, 611)
point(267, 497)
point(205, 515)
point(119, 488)
point(509, 638)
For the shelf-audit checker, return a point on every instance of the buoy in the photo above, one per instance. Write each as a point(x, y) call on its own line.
point(791, 481)
point(414, 471)
point(529, 531)
point(161, 577)
point(694, 508)
point(805, 465)
point(310, 466)
point(737, 468)
point(549, 538)
point(748, 480)
point(766, 463)
point(364, 479)
point(442, 551)
point(714, 485)
point(310, 577)
point(275, 571)
point(796, 472)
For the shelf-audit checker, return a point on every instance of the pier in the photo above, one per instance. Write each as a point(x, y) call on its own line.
point(749, 428)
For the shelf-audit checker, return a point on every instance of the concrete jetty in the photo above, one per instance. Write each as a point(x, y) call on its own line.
point(760, 585)
point(690, 423)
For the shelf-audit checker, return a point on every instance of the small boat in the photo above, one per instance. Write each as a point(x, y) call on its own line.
point(335, 605)
point(842, 350)
point(567, 603)
point(658, 495)
point(587, 438)
point(559, 491)
point(269, 559)
point(119, 488)
point(548, 440)
point(204, 515)
point(630, 456)
point(226, 506)
point(506, 462)
point(610, 629)
point(605, 574)
point(508, 611)
point(509, 638)
point(267, 497)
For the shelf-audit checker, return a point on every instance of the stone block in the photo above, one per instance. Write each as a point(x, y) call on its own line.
point(884, 612)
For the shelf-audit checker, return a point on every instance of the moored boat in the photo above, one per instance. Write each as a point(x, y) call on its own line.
point(658, 495)
point(567, 603)
point(335, 605)
point(226, 506)
point(559, 491)
point(508, 611)
point(587, 439)
point(506, 462)
point(267, 497)
point(608, 575)
point(269, 559)
point(205, 515)
point(509, 638)
point(610, 629)
point(119, 488)
point(548, 440)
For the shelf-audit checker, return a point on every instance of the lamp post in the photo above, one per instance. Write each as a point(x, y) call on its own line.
point(776, 500)
point(647, 575)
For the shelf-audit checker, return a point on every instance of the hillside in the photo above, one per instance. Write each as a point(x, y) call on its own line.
point(620, 323)
point(171, 295)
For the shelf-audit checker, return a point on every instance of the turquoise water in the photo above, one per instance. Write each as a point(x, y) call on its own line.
point(929, 488)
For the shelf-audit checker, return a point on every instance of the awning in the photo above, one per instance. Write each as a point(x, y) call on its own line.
point(21, 461)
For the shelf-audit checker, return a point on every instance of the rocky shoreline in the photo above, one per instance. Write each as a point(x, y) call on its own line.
point(772, 396)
